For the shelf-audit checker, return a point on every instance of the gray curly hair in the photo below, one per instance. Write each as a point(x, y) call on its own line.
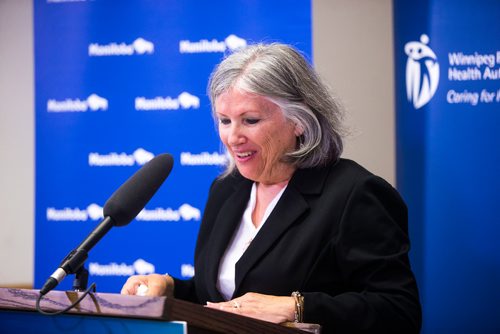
point(279, 73)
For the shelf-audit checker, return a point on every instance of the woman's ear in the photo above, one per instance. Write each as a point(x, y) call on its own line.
point(298, 130)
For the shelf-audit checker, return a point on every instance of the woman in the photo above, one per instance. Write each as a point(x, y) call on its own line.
point(289, 215)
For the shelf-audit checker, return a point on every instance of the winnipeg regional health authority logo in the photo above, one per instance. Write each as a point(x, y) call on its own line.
point(422, 72)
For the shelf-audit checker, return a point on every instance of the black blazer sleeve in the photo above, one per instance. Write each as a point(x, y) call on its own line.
point(369, 253)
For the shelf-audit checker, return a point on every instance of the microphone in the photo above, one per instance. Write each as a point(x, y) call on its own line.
point(119, 210)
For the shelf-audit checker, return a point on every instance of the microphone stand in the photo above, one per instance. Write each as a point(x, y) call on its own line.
point(81, 279)
point(76, 258)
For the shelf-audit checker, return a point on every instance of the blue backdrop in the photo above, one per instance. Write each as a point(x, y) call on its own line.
point(447, 56)
point(117, 84)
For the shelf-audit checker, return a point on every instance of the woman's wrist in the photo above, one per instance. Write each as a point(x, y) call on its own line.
point(169, 287)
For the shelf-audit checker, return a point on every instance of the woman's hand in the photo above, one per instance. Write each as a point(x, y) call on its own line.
point(276, 309)
point(158, 285)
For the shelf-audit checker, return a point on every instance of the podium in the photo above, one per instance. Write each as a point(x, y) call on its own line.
point(114, 313)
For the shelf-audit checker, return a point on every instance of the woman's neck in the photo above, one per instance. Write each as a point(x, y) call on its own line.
point(264, 195)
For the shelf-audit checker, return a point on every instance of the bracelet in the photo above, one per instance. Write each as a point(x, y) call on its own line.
point(299, 306)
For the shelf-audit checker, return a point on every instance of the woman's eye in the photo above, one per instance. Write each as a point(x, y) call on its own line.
point(224, 121)
point(252, 120)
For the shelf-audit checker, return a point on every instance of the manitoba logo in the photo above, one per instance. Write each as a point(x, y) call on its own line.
point(139, 157)
point(203, 159)
point(184, 101)
point(232, 42)
point(92, 212)
point(138, 47)
point(187, 270)
point(139, 267)
point(185, 212)
point(64, 1)
point(93, 103)
point(422, 72)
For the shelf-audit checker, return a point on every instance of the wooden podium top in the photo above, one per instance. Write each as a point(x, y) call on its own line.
point(199, 318)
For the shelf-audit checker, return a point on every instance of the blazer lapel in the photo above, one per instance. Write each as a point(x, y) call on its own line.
point(290, 207)
point(226, 223)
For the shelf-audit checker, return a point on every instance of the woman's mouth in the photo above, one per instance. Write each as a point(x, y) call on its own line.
point(243, 156)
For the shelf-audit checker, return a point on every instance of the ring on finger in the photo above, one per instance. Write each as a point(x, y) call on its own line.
point(236, 304)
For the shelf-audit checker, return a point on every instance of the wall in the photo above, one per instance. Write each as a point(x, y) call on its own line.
point(352, 51)
point(16, 143)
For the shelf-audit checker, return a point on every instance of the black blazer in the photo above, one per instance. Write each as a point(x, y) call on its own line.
point(338, 235)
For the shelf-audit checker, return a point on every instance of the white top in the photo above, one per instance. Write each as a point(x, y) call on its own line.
point(242, 238)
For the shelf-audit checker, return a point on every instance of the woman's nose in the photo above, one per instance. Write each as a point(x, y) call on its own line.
point(235, 136)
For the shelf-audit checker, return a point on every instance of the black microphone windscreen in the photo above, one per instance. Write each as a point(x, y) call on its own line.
point(126, 202)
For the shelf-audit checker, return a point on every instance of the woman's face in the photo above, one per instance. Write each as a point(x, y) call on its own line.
point(257, 135)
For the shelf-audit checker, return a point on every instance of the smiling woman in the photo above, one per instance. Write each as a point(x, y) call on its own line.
point(290, 231)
